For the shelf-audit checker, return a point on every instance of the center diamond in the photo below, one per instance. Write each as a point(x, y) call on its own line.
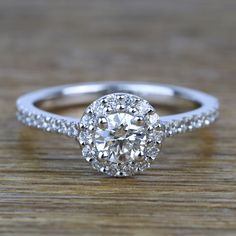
point(121, 139)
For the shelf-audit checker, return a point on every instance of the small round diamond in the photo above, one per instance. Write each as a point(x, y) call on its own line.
point(118, 137)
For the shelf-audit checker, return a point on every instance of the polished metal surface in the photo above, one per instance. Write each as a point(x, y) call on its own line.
point(85, 92)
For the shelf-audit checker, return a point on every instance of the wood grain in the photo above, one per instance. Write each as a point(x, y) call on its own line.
point(45, 187)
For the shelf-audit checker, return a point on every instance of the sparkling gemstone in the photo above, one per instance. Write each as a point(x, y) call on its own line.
point(122, 139)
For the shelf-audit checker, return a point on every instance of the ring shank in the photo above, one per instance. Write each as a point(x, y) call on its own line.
point(30, 114)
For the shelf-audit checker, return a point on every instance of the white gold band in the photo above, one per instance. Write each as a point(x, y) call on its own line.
point(31, 115)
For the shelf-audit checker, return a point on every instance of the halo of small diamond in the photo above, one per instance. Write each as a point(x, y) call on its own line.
point(120, 134)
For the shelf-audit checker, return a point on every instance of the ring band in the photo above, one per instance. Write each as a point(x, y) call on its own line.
point(120, 133)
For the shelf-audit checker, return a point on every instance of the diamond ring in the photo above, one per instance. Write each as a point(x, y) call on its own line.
point(120, 133)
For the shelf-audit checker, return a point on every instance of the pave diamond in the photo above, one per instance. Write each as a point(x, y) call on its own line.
point(117, 138)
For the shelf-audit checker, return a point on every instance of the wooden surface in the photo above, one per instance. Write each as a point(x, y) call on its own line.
point(45, 189)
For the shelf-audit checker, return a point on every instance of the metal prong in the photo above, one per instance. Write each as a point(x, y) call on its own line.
point(82, 126)
point(91, 128)
point(151, 112)
point(90, 142)
point(138, 120)
point(103, 169)
point(102, 123)
point(151, 158)
point(89, 159)
point(158, 142)
point(120, 107)
point(89, 111)
point(103, 155)
point(82, 143)
point(158, 126)
point(132, 110)
point(108, 109)
point(149, 141)
point(140, 155)
point(120, 97)
point(104, 101)
point(119, 173)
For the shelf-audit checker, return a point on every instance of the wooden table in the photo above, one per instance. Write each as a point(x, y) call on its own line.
point(45, 189)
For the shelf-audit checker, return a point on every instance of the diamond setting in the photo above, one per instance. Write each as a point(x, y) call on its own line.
point(120, 134)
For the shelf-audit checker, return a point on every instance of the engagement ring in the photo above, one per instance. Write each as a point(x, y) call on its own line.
point(120, 132)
